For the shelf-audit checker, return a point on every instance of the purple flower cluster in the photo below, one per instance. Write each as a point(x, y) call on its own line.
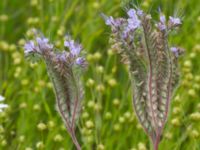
point(125, 26)
point(162, 24)
point(40, 46)
point(75, 49)
point(44, 48)
point(172, 23)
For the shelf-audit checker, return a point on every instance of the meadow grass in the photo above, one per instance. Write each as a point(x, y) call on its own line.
point(107, 119)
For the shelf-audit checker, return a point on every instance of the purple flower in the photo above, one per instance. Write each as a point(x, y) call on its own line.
point(29, 47)
point(113, 22)
point(81, 61)
point(74, 48)
point(139, 12)
point(109, 21)
point(133, 21)
point(175, 50)
point(162, 19)
point(174, 21)
point(43, 44)
point(132, 13)
point(62, 57)
point(162, 24)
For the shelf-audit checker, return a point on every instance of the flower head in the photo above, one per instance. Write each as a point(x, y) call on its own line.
point(177, 51)
point(133, 21)
point(2, 105)
point(173, 22)
point(109, 21)
point(43, 44)
point(29, 47)
point(162, 24)
point(81, 62)
point(74, 47)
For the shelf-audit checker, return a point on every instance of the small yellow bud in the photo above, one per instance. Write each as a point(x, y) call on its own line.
point(51, 124)
point(100, 88)
point(193, 55)
point(36, 107)
point(192, 92)
point(177, 98)
point(114, 69)
point(4, 143)
point(110, 52)
point(97, 56)
point(90, 83)
point(188, 64)
point(3, 18)
point(25, 82)
point(112, 82)
point(141, 146)
point(21, 138)
point(176, 110)
point(85, 115)
point(168, 135)
point(108, 116)
point(97, 107)
point(175, 122)
point(34, 2)
point(89, 124)
point(121, 119)
point(21, 42)
point(91, 104)
point(189, 76)
point(100, 69)
point(41, 83)
point(127, 115)
point(12, 47)
point(116, 102)
point(117, 127)
point(100, 147)
point(40, 145)
point(50, 85)
point(89, 57)
point(194, 134)
point(195, 116)
point(197, 78)
point(23, 105)
point(28, 148)
point(58, 138)
point(1, 129)
point(41, 126)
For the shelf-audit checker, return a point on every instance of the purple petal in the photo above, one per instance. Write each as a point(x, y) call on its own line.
point(43, 43)
point(162, 19)
point(174, 21)
point(29, 47)
point(132, 13)
point(81, 61)
point(109, 21)
point(74, 48)
point(175, 50)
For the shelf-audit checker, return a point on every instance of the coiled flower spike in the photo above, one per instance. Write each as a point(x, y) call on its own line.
point(64, 69)
point(153, 66)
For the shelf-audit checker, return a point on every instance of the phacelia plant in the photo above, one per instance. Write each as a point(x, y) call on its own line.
point(64, 69)
point(152, 65)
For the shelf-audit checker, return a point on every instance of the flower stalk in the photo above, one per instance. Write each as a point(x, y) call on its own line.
point(153, 66)
point(64, 69)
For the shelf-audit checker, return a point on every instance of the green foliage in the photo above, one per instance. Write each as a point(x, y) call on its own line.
point(107, 119)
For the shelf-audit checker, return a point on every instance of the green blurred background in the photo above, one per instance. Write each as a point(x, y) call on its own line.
point(107, 120)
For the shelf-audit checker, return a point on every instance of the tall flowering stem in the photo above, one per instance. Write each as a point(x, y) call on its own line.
point(64, 69)
point(153, 66)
